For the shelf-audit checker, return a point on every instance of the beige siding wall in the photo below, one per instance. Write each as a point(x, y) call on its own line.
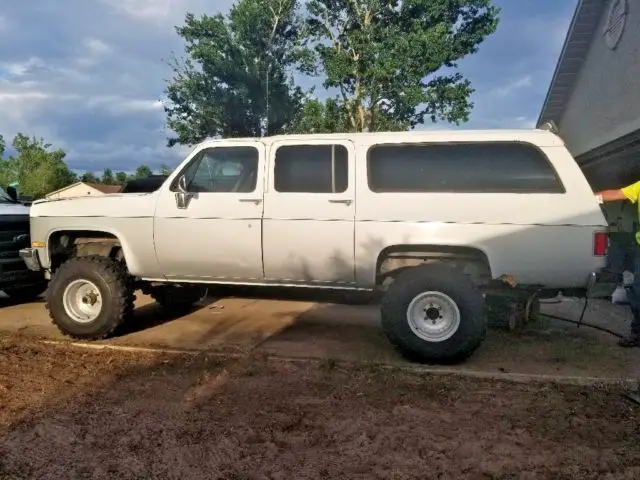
point(76, 191)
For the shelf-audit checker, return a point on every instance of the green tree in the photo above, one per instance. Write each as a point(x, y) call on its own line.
point(235, 80)
point(38, 169)
point(107, 177)
point(318, 117)
point(165, 170)
point(393, 62)
point(121, 178)
point(143, 171)
point(89, 177)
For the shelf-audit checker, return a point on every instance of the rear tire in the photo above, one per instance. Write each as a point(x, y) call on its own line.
point(433, 313)
point(90, 297)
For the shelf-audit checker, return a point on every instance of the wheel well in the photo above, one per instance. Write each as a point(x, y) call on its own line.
point(395, 259)
point(82, 243)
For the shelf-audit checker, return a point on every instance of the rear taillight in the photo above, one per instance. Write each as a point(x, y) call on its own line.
point(600, 244)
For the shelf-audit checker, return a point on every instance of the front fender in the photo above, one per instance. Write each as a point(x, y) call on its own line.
point(135, 237)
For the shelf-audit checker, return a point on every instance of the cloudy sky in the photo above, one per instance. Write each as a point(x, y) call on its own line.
point(88, 75)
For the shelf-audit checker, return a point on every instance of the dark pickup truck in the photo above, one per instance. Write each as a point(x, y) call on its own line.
point(16, 280)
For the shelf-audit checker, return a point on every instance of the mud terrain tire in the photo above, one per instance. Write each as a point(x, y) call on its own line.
point(434, 314)
point(102, 278)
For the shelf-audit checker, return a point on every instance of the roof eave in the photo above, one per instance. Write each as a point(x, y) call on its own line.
point(574, 52)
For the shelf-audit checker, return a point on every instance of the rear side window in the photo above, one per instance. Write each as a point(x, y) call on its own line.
point(480, 167)
point(311, 169)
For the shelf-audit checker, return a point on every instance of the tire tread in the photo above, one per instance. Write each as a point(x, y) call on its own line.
point(115, 274)
point(449, 281)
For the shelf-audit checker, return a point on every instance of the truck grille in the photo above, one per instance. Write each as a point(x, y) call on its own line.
point(14, 235)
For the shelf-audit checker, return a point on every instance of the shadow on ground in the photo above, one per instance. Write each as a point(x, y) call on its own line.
point(291, 323)
point(6, 302)
point(153, 315)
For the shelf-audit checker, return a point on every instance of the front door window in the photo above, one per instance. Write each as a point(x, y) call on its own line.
point(223, 170)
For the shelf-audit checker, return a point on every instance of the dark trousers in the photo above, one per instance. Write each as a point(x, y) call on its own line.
point(624, 254)
point(633, 294)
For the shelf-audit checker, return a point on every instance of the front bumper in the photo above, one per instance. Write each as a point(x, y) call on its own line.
point(31, 259)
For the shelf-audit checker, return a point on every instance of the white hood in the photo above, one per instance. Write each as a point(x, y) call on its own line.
point(13, 209)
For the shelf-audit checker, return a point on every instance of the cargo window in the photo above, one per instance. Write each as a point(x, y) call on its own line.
point(482, 167)
point(311, 169)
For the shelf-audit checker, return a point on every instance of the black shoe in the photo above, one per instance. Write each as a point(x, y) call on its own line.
point(630, 341)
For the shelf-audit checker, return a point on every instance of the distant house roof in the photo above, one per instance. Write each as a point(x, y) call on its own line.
point(576, 47)
point(96, 186)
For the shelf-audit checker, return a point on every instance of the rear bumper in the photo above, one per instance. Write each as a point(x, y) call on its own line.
point(602, 284)
point(31, 259)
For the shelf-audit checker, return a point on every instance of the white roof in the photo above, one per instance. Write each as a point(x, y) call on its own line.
point(538, 137)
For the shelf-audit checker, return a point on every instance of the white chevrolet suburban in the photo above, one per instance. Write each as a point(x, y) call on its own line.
point(437, 220)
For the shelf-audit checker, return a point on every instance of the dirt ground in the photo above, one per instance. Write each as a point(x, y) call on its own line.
point(73, 413)
point(309, 326)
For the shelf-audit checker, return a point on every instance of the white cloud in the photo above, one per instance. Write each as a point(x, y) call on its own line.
point(118, 105)
point(143, 9)
point(94, 50)
point(23, 97)
point(96, 46)
point(162, 12)
point(513, 86)
point(19, 69)
point(128, 106)
point(166, 12)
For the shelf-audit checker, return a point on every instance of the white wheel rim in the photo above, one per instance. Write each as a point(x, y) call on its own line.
point(82, 301)
point(433, 316)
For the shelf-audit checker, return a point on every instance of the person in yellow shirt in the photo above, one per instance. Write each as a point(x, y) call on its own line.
point(630, 193)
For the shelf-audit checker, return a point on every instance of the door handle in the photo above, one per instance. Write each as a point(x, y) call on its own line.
point(256, 201)
point(344, 202)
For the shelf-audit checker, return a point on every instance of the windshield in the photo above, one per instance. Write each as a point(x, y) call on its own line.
point(4, 197)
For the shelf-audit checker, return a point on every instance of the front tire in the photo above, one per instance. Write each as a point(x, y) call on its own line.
point(433, 313)
point(90, 297)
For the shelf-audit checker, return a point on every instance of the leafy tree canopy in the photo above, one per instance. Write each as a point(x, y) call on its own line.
point(165, 170)
point(393, 61)
point(36, 167)
point(121, 178)
point(235, 80)
point(89, 177)
point(107, 177)
point(143, 171)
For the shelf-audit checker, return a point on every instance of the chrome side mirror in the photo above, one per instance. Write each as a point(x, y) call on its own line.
point(182, 184)
point(183, 198)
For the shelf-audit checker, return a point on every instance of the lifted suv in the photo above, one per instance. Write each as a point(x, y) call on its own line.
point(436, 220)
